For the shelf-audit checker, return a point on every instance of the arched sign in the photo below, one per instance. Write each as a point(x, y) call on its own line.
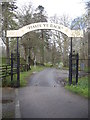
point(44, 25)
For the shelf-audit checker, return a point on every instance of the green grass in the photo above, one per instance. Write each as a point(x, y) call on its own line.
point(37, 68)
point(48, 64)
point(24, 76)
point(86, 69)
point(6, 82)
point(65, 68)
point(81, 88)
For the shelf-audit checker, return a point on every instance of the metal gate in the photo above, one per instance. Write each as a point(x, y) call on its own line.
point(15, 67)
point(73, 68)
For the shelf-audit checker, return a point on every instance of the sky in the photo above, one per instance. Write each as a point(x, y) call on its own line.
point(72, 8)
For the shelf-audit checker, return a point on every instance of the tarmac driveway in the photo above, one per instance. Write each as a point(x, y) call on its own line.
point(45, 98)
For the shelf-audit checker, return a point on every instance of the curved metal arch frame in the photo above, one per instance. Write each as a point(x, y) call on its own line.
point(44, 25)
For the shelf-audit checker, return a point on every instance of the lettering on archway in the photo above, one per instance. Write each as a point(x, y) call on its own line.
point(44, 25)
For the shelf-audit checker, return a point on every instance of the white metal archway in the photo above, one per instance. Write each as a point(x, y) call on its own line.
point(44, 25)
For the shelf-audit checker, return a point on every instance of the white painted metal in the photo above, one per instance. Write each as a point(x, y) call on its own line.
point(44, 25)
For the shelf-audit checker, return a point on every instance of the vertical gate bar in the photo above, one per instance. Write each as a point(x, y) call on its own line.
point(6, 70)
point(71, 46)
point(70, 64)
point(29, 59)
point(11, 69)
point(18, 65)
point(69, 69)
point(71, 60)
point(70, 74)
point(77, 59)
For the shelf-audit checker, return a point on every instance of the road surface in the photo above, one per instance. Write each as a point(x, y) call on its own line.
point(45, 98)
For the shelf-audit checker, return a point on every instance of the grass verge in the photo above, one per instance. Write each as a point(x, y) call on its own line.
point(24, 76)
point(81, 88)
